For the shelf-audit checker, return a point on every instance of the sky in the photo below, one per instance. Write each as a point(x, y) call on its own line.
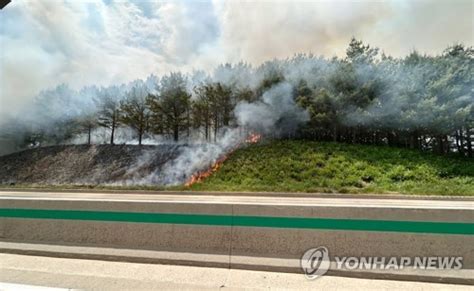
point(50, 42)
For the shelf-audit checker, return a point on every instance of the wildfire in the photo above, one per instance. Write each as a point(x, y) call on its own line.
point(200, 176)
point(253, 138)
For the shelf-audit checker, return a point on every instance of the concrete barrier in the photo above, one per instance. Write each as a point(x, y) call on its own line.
point(237, 232)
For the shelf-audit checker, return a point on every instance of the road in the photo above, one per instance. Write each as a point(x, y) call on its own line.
point(20, 272)
point(267, 233)
point(218, 198)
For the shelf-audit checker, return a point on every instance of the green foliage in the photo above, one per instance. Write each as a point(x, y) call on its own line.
point(108, 116)
point(419, 101)
point(134, 111)
point(306, 166)
point(170, 109)
point(213, 107)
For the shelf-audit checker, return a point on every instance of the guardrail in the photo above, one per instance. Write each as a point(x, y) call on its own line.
point(255, 236)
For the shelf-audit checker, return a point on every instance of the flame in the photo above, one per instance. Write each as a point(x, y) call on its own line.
point(201, 175)
point(253, 138)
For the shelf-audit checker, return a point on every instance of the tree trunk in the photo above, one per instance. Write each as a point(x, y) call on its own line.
point(226, 116)
point(89, 135)
point(112, 133)
point(441, 144)
point(414, 140)
point(461, 141)
point(459, 144)
point(176, 133)
point(354, 135)
point(215, 129)
point(391, 138)
point(447, 145)
point(469, 142)
point(188, 122)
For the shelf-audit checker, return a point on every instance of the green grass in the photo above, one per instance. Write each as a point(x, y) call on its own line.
point(303, 166)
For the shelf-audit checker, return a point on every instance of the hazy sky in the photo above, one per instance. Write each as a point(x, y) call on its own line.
point(45, 43)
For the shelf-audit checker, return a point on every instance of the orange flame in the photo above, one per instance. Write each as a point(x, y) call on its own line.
point(253, 138)
point(200, 176)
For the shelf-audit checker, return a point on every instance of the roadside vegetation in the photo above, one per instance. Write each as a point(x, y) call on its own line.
point(419, 101)
point(306, 166)
point(273, 166)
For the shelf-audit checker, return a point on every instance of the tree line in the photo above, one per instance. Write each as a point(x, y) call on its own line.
point(171, 111)
point(418, 101)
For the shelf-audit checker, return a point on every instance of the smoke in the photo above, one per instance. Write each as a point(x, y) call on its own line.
point(122, 135)
point(414, 97)
point(406, 98)
point(192, 159)
point(110, 42)
point(118, 42)
point(179, 161)
point(276, 113)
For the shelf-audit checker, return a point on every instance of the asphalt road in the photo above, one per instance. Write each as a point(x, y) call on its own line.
point(18, 272)
point(234, 247)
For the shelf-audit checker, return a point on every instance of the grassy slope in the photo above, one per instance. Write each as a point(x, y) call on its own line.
point(332, 167)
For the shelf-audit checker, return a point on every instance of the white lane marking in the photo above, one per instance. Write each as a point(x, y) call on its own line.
point(269, 203)
point(24, 287)
point(242, 200)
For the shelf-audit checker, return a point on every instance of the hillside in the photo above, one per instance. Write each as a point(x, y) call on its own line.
point(300, 166)
point(332, 167)
point(84, 164)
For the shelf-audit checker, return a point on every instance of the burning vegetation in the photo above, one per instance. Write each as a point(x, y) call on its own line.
point(253, 138)
point(301, 166)
point(201, 175)
point(419, 101)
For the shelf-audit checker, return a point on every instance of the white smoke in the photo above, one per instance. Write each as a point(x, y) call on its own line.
point(193, 159)
point(123, 135)
point(274, 114)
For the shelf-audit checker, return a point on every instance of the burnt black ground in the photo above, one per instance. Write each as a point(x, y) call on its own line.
point(84, 164)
